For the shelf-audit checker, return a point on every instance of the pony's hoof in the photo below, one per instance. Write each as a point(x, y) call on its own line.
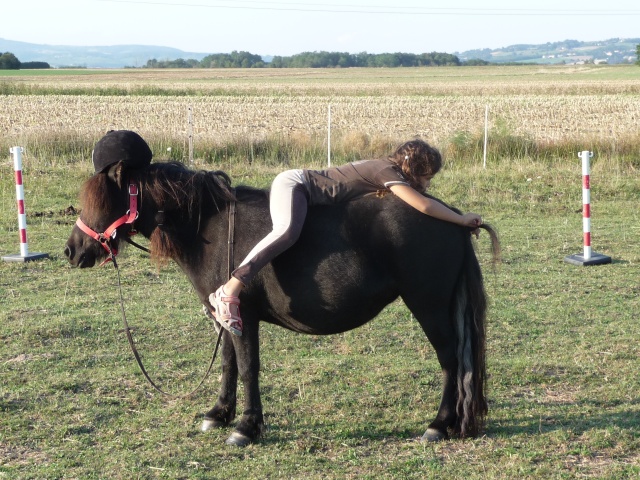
point(209, 424)
point(432, 435)
point(238, 440)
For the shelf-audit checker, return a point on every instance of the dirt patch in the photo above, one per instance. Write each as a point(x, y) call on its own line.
point(17, 456)
point(69, 211)
point(27, 357)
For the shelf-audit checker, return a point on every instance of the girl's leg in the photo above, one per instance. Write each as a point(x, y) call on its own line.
point(288, 208)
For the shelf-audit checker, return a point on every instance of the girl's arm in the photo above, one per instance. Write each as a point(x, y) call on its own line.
point(432, 208)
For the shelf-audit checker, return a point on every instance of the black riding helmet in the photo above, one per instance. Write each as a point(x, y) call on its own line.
point(119, 145)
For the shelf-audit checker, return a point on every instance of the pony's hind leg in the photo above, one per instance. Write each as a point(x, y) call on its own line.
point(224, 411)
point(446, 417)
point(441, 334)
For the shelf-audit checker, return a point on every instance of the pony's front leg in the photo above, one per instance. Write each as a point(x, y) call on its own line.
point(251, 424)
point(224, 411)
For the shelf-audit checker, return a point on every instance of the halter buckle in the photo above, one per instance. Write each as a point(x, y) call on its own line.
point(105, 238)
point(129, 213)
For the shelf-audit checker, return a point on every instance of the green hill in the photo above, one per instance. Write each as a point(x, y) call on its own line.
point(115, 56)
point(614, 50)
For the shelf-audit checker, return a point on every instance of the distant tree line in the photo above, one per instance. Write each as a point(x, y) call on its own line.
point(317, 60)
point(344, 60)
point(232, 60)
point(638, 54)
point(178, 63)
point(219, 60)
point(8, 61)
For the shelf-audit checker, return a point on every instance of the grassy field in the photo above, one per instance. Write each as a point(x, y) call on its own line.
point(562, 340)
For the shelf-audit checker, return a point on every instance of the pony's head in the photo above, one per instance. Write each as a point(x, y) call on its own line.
point(165, 202)
point(105, 217)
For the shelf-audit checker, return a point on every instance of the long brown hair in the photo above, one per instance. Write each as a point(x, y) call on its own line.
point(417, 158)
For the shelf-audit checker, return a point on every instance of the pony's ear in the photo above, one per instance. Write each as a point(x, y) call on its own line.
point(115, 173)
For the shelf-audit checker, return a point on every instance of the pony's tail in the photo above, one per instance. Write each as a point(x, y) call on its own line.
point(470, 306)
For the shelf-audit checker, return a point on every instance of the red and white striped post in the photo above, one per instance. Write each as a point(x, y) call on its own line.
point(588, 257)
point(24, 254)
point(586, 203)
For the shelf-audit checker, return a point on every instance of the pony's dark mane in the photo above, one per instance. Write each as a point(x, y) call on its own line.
point(183, 189)
point(187, 197)
point(170, 183)
point(184, 195)
point(176, 184)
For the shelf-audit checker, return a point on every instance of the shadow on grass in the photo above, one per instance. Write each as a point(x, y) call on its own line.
point(551, 417)
point(575, 416)
point(331, 434)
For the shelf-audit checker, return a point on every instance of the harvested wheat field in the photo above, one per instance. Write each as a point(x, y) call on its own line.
point(544, 104)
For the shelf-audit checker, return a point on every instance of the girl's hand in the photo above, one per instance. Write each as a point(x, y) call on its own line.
point(471, 220)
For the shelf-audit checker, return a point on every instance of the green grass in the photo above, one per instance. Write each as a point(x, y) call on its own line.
point(562, 350)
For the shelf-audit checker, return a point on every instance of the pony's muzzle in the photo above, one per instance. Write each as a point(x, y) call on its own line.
point(81, 260)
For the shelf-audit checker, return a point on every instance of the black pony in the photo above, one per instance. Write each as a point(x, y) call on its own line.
point(351, 261)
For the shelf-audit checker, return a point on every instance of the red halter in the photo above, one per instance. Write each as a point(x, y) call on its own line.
point(110, 233)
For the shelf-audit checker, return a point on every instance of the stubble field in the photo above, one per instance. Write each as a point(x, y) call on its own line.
point(596, 105)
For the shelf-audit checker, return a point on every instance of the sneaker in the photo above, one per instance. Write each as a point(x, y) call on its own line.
point(227, 311)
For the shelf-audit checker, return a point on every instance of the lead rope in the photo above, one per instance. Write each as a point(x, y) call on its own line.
point(127, 329)
point(231, 238)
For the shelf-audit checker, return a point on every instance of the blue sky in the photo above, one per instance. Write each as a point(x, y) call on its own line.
point(287, 27)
